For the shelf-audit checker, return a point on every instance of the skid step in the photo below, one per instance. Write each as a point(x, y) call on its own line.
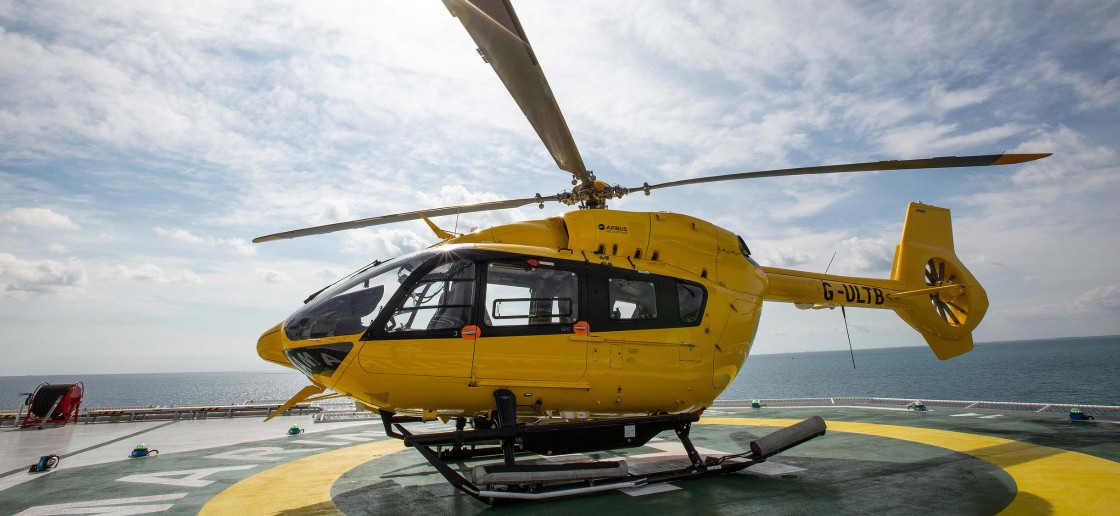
point(540, 473)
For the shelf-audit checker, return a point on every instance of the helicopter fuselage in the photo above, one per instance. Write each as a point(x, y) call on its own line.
point(593, 312)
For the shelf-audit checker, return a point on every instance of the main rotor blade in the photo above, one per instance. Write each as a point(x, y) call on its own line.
point(494, 27)
point(401, 217)
point(910, 164)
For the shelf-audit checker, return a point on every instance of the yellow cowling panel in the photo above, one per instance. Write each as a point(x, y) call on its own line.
point(614, 233)
point(549, 233)
point(685, 242)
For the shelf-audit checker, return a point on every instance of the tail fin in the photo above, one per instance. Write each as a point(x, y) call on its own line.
point(929, 287)
point(925, 260)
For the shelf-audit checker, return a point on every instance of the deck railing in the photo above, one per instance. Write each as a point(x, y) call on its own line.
point(1102, 410)
point(130, 414)
point(344, 410)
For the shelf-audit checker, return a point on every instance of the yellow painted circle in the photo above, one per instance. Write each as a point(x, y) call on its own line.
point(302, 485)
point(1047, 479)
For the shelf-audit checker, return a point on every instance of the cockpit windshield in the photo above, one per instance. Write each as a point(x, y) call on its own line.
point(350, 306)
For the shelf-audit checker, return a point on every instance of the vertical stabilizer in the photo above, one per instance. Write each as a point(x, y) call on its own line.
point(947, 300)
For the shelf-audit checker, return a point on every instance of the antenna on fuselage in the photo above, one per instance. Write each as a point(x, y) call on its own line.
point(843, 313)
point(849, 334)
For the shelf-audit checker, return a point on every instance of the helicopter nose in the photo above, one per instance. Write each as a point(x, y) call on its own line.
point(271, 347)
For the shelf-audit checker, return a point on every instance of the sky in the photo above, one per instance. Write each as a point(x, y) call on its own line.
point(144, 144)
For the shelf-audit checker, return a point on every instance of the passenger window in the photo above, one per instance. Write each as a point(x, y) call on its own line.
point(691, 301)
point(632, 300)
point(441, 300)
point(526, 294)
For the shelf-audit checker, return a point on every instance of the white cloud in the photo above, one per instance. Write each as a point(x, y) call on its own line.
point(805, 199)
point(273, 276)
point(866, 255)
point(854, 255)
point(786, 257)
point(181, 235)
point(152, 272)
point(1101, 299)
point(38, 218)
point(237, 245)
point(948, 100)
point(384, 243)
point(1091, 92)
point(20, 277)
point(927, 137)
point(333, 210)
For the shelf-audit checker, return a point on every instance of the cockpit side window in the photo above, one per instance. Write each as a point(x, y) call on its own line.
point(351, 306)
point(440, 300)
point(530, 293)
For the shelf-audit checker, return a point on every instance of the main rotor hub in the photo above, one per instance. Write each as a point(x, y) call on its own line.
point(592, 196)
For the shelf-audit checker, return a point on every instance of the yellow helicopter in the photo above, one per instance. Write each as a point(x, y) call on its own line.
point(593, 330)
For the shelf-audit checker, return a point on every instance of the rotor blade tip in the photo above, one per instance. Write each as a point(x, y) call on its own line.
point(268, 238)
point(1011, 159)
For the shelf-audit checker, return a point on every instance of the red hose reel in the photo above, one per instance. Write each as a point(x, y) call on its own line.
point(55, 404)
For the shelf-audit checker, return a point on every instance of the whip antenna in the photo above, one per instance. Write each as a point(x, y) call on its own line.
point(849, 334)
point(845, 314)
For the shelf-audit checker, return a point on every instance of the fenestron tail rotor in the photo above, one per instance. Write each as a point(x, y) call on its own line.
point(951, 304)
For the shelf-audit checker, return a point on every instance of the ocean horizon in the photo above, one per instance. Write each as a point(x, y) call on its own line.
point(1075, 370)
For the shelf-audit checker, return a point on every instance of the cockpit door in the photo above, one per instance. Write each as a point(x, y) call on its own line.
point(529, 307)
point(422, 336)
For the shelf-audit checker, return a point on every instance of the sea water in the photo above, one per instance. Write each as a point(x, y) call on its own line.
point(1070, 370)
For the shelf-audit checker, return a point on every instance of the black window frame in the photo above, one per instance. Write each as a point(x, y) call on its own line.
point(576, 267)
point(592, 303)
point(377, 330)
point(668, 306)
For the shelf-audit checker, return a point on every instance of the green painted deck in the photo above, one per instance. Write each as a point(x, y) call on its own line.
point(873, 459)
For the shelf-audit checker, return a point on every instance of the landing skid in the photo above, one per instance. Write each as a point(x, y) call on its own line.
point(509, 480)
